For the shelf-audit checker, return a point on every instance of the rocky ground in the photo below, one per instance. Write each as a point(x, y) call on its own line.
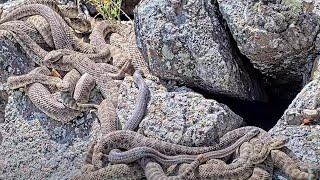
point(39, 147)
point(304, 140)
point(34, 146)
point(8, 3)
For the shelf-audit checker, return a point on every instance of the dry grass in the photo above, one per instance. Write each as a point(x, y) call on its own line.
point(109, 9)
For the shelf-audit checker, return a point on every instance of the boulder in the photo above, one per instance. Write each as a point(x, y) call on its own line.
point(277, 36)
point(35, 146)
point(2, 106)
point(304, 141)
point(314, 7)
point(178, 115)
point(13, 61)
point(8, 3)
point(315, 73)
point(188, 43)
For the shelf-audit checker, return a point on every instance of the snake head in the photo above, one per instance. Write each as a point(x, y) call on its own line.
point(252, 133)
point(152, 77)
point(138, 73)
point(314, 172)
point(278, 142)
point(53, 56)
point(115, 151)
point(201, 159)
point(62, 87)
point(86, 168)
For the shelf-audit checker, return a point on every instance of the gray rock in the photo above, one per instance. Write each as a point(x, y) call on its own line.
point(8, 3)
point(304, 141)
point(278, 38)
point(13, 61)
point(315, 73)
point(189, 44)
point(37, 147)
point(2, 106)
point(180, 116)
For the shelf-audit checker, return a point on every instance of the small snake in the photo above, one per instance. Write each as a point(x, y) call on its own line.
point(141, 103)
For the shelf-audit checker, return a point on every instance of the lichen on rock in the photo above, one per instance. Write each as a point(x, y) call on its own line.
point(35, 146)
point(13, 61)
point(304, 140)
point(277, 36)
point(178, 115)
point(189, 44)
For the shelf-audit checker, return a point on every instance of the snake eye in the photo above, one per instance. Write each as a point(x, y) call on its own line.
point(188, 173)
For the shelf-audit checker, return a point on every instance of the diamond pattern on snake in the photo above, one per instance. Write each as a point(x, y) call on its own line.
point(62, 35)
point(45, 30)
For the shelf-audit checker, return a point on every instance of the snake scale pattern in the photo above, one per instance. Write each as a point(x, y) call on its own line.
point(45, 30)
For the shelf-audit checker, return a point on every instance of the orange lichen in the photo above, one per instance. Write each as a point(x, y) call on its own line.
point(307, 121)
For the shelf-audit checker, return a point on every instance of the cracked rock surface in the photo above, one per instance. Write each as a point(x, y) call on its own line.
point(37, 147)
point(178, 115)
point(304, 141)
point(13, 61)
point(277, 36)
point(8, 3)
point(189, 44)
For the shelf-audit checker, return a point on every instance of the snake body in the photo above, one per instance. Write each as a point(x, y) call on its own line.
point(136, 153)
point(58, 28)
point(20, 81)
point(290, 168)
point(62, 35)
point(69, 81)
point(49, 103)
point(63, 11)
point(153, 170)
point(42, 26)
point(71, 103)
point(83, 85)
point(264, 145)
point(141, 102)
point(217, 169)
point(125, 139)
point(107, 116)
point(47, 28)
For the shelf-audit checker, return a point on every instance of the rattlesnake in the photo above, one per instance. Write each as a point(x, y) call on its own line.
point(62, 36)
point(153, 170)
point(129, 48)
point(142, 102)
point(15, 82)
point(128, 139)
point(50, 103)
point(217, 169)
point(67, 104)
point(116, 156)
